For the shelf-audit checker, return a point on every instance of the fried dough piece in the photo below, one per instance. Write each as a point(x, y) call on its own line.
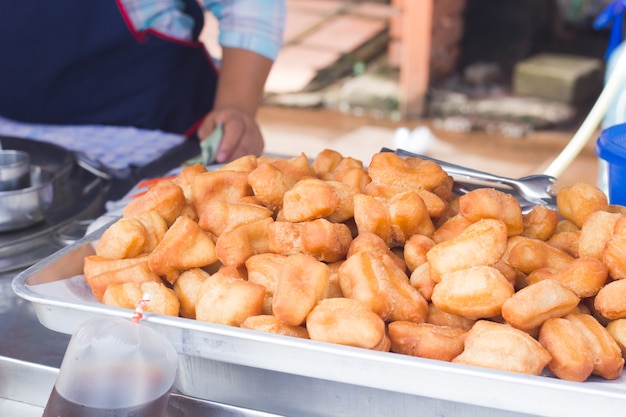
point(184, 246)
point(269, 185)
point(187, 287)
point(608, 360)
point(378, 282)
point(325, 163)
point(476, 292)
point(371, 215)
point(346, 322)
point(440, 317)
point(409, 216)
point(224, 298)
point(415, 250)
point(528, 254)
point(312, 198)
point(576, 202)
point(572, 357)
point(186, 177)
point(163, 300)
point(568, 242)
point(334, 287)
point(221, 185)
point(368, 241)
point(408, 173)
point(297, 167)
point(270, 324)
point(451, 228)
point(614, 253)
point(500, 346)
point(126, 238)
point(264, 269)
point(421, 281)
point(596, 231)
point(325, 241)
point(165, 197)
point(610, 301)
point(426, 340)
point(101, 272)
point(583, 276)
point(531, 306)
point(237, 244)
point(357, 178)
point(302, 283)
point(617, 330)
point(435, 205)
point(489, 203)
point(481, 243)
point(540, 222)
point(218, 216)
point(246, 163)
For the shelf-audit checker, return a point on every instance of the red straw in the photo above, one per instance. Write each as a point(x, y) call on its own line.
point(138, 314)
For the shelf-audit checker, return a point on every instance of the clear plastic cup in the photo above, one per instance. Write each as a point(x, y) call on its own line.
point(114, 367)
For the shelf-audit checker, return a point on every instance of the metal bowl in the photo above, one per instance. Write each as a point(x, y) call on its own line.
point(14, 169)
point(27, 206)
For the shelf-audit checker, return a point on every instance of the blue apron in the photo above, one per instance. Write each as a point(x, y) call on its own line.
point(80, 62)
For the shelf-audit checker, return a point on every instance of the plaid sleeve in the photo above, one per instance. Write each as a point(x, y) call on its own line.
point(256, 25)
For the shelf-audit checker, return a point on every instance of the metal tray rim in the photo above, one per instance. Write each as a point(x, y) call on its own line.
point(360, 367)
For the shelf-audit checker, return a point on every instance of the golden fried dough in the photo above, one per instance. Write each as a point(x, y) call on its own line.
point(309, 199)
point(408, 173)
point(218, 216)
point(237, 244)
point(499, 346)
point(224, 298)
point(126, 238)
point(184, 246)
point(489, 203)
point(371, 215)
point(420, 280)
point(219, 185)
point(426, 340)
point(269, 185)
point(302, 283)
point(346, 322)
point(583, 276)
point(127, 295)
point(378, 282)
point(528, 254)
point(572, 357)
point(440, 317)
point(264, 269)
point(595, 232)
point(325, 163)
point(246, 163)
point(611, 300)
point(102, 272)
point(608, 361)
point(540, 222)
point(529, 307)
point(165, 197)
point(297, 167)
point(576, 202)
point(450, 228)
point(481, 243)
point(369, 241)
point(186, 289)
point(568, 242)
point(270, 324)
point(409, 216)
point(614, 253)
point(617, 330)
point(415, 250)
point(476, 292)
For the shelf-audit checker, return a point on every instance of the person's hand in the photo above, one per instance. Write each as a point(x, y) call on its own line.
point(241, 133)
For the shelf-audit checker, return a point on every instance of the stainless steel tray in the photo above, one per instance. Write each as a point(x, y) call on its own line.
point(296, 377)
point(25, 387)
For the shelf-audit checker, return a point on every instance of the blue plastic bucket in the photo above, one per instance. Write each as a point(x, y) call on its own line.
point(611, 149)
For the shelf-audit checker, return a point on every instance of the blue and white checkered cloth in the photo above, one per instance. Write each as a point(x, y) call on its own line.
point(117, 148)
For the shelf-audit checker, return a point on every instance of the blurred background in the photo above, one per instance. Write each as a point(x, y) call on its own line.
point(498, 85)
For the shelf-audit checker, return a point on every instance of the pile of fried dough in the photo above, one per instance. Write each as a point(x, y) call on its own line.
point(380, 256)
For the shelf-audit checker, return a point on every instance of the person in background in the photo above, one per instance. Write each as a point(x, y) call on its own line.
point(139, 63)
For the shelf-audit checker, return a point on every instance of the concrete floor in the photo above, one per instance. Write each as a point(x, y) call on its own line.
point(290, 131)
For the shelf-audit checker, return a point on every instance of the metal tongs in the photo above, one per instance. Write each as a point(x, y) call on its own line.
point(530, 191)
